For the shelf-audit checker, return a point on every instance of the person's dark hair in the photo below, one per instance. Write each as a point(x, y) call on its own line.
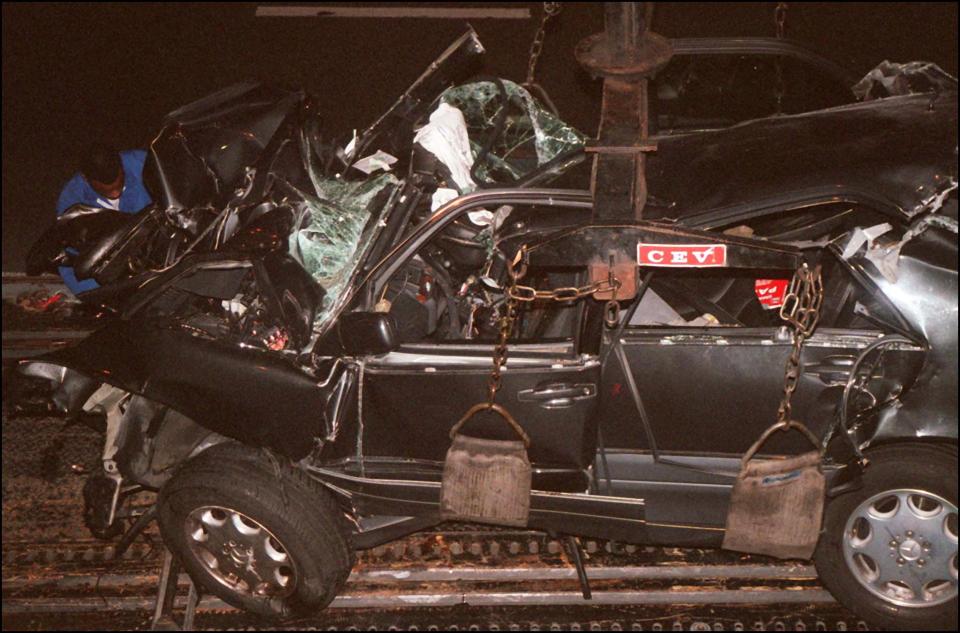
point(101, 163)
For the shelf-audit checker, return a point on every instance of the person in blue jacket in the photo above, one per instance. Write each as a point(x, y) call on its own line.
point(107, 179)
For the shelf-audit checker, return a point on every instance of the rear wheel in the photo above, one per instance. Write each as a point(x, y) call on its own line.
point(256, 532)
point(889, 550)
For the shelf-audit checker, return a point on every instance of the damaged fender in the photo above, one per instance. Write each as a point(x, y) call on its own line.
point(925, 294)
point(243, 393)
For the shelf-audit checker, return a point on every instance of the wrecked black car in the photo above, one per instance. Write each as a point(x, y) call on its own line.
point(302, 325)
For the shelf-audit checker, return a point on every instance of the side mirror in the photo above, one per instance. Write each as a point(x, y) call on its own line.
point(367, 333)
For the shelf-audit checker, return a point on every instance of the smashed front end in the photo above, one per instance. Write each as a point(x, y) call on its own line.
point(222, 291)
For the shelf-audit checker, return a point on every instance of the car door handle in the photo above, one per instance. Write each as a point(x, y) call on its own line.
point(832, 370)
point(558, 395)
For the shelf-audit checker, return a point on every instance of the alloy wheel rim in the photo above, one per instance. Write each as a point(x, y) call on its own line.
point(240, 553)
point(901, 545)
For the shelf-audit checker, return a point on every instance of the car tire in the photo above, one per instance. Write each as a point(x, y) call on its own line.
point(255, 531)
point(902, 487)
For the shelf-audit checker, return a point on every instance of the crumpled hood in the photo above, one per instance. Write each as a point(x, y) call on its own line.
point(201, 154)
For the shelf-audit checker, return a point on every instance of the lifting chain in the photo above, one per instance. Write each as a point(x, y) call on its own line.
point(801, 309)
point(780, 19)
point(550, 9)
point(506, 329)
point(611, 285)
point(516, 293)
point(572, 293)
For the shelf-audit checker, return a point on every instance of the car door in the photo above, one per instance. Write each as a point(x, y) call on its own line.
point(708, 353)
point(697, 369)
point(705, 353)
point(446, 295)
point(413, 396)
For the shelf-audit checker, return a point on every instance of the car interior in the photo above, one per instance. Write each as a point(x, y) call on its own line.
point(453, 288)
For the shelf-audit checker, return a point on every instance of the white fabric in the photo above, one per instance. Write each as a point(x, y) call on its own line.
point(445, 136)
point(378, 160)
point(442, 196)
point(109, 203)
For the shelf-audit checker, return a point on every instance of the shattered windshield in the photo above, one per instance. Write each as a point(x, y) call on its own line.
point(328, 242)
point(521, 133)
point(222, 162)
point(252, 147)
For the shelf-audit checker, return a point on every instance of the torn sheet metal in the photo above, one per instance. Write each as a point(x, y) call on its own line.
point(223, 162)
point(258, 145)
point(925, 294)
point(531, 135)
point(107, 400)
point(890, 79)
point(943, 222)
point(202, 153)
point(936, 200)
point(261, 399)
point(861, 236)
point(885, 259)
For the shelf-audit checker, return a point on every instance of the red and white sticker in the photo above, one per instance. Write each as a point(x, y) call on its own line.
point(770, 292)
point(682, 255)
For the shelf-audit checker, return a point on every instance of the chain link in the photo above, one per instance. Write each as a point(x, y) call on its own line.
point(611, 311)
point(516, 269)
point(550, 9)
point(500, 350)
point(801, 304)
point(801, 309)
point(516, 293)
point(572, 293)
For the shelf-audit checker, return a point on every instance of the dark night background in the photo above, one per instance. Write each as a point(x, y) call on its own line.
point(73, 72)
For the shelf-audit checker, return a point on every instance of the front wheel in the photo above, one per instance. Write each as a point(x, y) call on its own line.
point(889, 549)
point(258, 533)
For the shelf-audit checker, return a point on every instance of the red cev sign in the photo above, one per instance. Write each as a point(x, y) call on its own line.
point(770, 292)
point(682, 255)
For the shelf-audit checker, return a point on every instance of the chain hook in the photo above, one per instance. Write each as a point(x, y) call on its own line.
point(611, 311)
point(517, 268)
